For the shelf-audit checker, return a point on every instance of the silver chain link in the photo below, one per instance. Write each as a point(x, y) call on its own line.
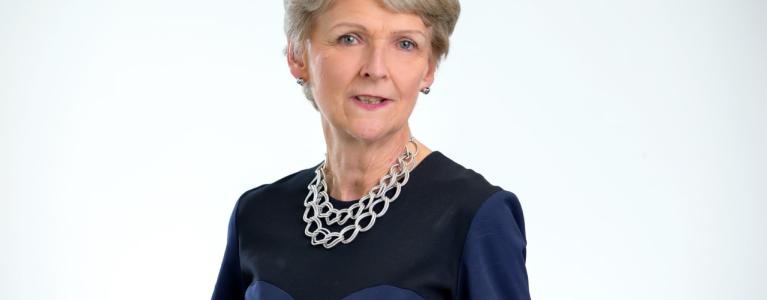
point(319, 208)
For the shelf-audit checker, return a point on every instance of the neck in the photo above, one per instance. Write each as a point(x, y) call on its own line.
point(354, 166)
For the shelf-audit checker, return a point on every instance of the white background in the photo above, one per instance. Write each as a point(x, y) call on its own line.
point(633, 132)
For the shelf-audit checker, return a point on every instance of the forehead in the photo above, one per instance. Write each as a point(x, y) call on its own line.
point(372, 15)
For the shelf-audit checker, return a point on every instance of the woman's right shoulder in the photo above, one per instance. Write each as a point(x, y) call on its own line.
point(289, 184)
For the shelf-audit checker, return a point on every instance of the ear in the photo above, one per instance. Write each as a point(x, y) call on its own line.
point(428, 78)
point(296, 64)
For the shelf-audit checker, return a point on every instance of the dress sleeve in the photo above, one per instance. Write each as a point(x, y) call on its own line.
point(492, 265)
point(230, 284)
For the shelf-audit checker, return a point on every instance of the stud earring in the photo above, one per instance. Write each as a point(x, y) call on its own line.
point(300, 81)
point(425, 90)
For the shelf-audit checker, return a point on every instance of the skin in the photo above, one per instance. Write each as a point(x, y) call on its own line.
point(359, 47)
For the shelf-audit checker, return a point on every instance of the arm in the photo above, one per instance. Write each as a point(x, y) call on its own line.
point(493, 262)
point(229, 284)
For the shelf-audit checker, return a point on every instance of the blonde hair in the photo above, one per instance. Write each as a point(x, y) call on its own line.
point(440, 15)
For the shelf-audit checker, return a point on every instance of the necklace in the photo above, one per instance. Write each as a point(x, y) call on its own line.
point(319, 212)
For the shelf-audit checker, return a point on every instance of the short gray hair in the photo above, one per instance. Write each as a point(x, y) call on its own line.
point(440, 15)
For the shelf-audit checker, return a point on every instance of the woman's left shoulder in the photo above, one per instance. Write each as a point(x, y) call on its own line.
point(465, 188)
point(446, 174)
point(501, 207)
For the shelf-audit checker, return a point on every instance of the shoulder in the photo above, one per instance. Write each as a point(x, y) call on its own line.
point(284, 187)
point(456, 185)
point(487, 207)
point(502, 211)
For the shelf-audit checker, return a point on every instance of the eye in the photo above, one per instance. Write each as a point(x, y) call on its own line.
point(407, 44)
point(348, 39)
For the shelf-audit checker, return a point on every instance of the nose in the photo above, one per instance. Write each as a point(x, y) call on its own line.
point(374, 66)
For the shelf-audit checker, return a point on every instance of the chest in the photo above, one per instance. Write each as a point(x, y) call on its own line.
point(405, 255)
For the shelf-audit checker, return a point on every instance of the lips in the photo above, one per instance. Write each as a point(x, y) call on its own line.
point(369, 99)
point(370, 102)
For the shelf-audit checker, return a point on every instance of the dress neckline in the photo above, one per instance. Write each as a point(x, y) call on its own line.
point(414, 175)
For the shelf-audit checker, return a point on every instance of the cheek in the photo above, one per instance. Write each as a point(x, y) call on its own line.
point(332, 73)
point(408, 78)
point(411, 66)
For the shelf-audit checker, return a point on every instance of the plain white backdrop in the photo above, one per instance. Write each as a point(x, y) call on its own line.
point(633, 132)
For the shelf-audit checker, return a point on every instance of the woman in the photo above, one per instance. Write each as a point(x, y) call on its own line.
point(383, 217)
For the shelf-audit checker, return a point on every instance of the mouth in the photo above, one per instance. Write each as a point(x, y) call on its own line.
point(371, 102)
point(370, 99)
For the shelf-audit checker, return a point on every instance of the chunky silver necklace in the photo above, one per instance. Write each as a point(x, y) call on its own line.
point(320, 213)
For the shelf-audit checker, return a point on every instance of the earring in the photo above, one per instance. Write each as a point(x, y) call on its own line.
point(425, 90)
point(300, 81)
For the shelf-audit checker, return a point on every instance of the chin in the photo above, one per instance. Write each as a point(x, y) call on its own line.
point(371, 131)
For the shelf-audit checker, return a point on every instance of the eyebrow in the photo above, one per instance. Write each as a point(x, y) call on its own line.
point(362, 28)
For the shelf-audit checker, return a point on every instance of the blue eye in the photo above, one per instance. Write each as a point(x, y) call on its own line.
point(347, 39)
point(407, 44)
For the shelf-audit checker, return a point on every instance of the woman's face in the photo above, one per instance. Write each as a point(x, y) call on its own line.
point(366, 65)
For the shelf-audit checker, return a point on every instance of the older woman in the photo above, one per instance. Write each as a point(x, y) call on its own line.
point(383, 216)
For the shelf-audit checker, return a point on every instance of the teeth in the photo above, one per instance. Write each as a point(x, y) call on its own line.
point(370, 100)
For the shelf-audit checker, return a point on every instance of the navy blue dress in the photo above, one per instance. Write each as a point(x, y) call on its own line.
point(449, 235)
